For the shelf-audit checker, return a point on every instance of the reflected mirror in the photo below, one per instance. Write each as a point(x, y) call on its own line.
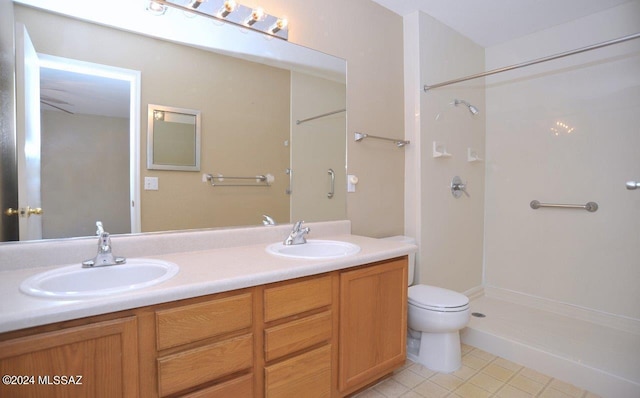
point(250, 91)
point(173, 138)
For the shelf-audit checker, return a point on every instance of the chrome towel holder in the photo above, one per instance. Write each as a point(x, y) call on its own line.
point(264, 180)
point(399, 143)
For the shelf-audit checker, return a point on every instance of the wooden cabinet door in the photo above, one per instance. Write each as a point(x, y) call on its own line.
point(373, 322)
point(306, 375)
point(96, 360)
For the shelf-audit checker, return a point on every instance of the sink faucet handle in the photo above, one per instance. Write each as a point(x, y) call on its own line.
point(297, 234)
point(104, 256)
point(100, 229)
point(104, 243)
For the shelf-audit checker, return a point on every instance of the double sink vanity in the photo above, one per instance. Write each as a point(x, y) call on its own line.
point(205, 314)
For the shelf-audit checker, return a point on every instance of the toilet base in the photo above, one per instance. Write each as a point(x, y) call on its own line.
point(440, 352)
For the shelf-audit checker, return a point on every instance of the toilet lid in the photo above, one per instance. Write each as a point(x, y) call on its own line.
point(437, 298)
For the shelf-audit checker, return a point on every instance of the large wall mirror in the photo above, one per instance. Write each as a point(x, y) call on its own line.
point(250, 91)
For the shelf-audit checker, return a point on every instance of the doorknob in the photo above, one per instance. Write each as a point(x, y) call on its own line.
point(24, 212)
point(11, 212)
point(34, 210)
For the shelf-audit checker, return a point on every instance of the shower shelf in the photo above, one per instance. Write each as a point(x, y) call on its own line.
point(472, 155)
point(440, 150)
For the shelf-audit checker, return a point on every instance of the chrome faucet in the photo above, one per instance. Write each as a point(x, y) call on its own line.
point(104, 256)
point(296, 237)
point(268, 221)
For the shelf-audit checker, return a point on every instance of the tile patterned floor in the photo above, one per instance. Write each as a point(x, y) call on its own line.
point(482, 375)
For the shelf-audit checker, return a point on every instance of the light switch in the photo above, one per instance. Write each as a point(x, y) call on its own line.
point(151, 183)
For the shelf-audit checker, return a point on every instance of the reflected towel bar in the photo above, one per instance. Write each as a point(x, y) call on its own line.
point(399, 143)
point(319, 116)
point(590, 206)
point(260, 180)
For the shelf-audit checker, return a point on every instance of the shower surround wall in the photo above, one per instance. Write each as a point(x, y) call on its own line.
point(449, 230)
point(566, 131)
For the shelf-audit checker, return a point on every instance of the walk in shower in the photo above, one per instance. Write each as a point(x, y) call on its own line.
point(560, 115)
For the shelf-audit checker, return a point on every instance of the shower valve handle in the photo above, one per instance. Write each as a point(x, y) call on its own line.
point(633, 184)
point(458, 187)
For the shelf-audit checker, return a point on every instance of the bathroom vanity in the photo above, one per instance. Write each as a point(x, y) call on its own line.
point(279, 328)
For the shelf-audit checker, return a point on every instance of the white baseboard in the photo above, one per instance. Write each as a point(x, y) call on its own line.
point(572, 311)
point(474, 292)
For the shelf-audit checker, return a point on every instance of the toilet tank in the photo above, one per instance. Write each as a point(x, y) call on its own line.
point(412, 256)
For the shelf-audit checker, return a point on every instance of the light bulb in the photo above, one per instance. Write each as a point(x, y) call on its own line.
point(280, 24)
point(256, 15)
point(227, 8)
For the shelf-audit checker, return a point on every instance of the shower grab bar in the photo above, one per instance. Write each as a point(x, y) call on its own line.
point(590, 206)
point(332, 179)
point(319, 116)
point(428, 87)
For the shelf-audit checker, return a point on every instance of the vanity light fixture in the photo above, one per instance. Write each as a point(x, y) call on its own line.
point(257, 15)
point(232, 12)
point(156, 8)
point(227, 8)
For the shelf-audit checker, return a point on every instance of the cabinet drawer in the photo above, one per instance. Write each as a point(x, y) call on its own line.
point(239, 387)
point(190, 368)
point(307, 375)
point(296, 335)
point(189, 323)
point(294, 298)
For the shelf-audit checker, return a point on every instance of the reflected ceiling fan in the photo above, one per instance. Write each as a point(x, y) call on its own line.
point(55, 102)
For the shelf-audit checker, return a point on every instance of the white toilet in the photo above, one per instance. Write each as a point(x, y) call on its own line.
point(435, 318)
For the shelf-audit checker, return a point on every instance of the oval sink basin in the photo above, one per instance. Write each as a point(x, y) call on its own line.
point(315, 249)
point(74, 282)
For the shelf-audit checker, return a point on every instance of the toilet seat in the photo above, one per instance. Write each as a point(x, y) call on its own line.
point(434, 298)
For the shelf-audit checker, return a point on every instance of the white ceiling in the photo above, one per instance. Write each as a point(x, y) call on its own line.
point(490, 22)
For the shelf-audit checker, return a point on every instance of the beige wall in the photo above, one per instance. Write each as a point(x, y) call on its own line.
point(584, 259)
point(449, 230)
point(96, 148)
point(369, 37)
point(317, 146)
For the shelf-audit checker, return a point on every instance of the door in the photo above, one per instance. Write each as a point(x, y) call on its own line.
point(28, 136)
point(8, 167)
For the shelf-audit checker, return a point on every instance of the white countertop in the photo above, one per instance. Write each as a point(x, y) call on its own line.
point(201, 272)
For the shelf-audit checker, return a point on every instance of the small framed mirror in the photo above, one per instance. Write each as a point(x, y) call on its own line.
point(173, 138)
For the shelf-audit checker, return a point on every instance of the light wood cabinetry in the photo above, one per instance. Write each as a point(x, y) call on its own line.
point(373, 322)
point(327, 335)
point(299, 340)
point(95, 360)
point(200, 345)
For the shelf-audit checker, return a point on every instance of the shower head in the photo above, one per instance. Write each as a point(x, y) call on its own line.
point(472, 109)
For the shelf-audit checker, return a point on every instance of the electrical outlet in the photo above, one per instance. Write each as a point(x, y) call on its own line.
point(151, 183)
